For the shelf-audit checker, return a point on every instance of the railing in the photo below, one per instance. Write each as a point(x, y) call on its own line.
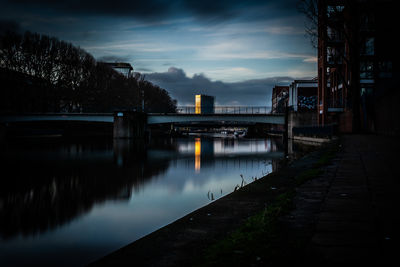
point(227, 110)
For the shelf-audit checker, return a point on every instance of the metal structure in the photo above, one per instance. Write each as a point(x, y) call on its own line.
point(227, 110)
point(124, 68)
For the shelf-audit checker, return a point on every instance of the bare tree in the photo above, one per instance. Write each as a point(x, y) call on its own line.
point(310, 9)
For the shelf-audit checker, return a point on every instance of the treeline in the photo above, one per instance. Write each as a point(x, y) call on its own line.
point(39, 73)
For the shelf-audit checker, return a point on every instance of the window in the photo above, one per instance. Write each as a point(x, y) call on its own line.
point(385, 69)
point(366, 22)
point(368, 46)
point(333, 34)
point(333, 11)
point(330, 54)
point(333, 55)
point(366, 69)
point(366, 91)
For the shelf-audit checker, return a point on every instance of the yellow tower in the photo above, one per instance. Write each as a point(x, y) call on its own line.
point(198, 104)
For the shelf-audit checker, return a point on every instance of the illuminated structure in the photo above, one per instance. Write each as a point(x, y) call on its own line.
point(204, 104)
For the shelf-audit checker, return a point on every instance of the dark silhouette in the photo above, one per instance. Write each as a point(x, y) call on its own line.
point(39, 73)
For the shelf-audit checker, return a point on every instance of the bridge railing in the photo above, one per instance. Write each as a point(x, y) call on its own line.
point(227, 110)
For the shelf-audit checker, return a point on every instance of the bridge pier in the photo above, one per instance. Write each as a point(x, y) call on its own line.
point(129, 124)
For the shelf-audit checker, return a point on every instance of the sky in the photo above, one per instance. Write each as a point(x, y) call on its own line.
point(234, 50)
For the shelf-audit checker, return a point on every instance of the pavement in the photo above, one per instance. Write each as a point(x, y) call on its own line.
point(347, 215)
point(350, 213)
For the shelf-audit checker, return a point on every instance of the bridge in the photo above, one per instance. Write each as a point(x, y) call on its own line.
point(152, 118)
point(126, 122)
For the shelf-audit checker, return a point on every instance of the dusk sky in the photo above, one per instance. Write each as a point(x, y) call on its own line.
point(234, 50)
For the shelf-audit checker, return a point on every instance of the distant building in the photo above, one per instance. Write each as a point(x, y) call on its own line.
point(280, 96)
point(303, 95)
point(204, 104)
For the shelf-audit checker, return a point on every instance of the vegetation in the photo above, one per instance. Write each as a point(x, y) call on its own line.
point(43, 74)
point(262, 240)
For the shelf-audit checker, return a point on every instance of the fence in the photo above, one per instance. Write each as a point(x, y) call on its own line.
point(228, 110)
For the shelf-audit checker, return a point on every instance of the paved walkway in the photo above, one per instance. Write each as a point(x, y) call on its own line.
point(350, 213)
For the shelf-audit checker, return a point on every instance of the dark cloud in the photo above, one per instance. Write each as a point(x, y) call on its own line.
point(140, 9)
point(184, 88)
point(152, 9)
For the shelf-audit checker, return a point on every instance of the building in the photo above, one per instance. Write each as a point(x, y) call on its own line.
point(280, 95)
point(204, 104)
point(303, 95)
point(357, 73)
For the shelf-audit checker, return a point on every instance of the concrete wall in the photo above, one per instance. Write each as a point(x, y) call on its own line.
point(298, 119)
point(129, 124)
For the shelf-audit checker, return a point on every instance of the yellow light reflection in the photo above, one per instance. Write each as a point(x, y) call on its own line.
point(197, 154)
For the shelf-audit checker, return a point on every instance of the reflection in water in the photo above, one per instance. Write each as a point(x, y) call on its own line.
point(197, 154)
point(59, 200)
point(56, 186)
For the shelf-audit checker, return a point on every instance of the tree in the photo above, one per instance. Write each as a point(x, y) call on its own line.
point(68, 79)
point(310, 9)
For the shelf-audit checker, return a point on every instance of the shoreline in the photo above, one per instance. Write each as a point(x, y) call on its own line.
point(183, 240)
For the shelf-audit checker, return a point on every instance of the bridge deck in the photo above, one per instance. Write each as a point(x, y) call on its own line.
point(152, 118)
point(240, 118)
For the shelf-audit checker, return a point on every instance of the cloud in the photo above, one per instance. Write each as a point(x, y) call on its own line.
point(311, 59)
point(113, 58)
point(150, 9)
point(255, 92)
point(143, 69)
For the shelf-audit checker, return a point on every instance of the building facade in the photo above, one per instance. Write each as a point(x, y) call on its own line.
point(204, 104)
point(357, 72)
point(280, 96)
point(303, 95)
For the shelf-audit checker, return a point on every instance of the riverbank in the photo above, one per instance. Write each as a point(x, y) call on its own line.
point(183, 242)
point(343, 215)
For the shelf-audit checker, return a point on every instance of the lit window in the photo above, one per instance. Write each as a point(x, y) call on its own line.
point(366, 69)
point(333, 10)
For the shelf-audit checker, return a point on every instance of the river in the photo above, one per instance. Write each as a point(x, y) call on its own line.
point(71, 202)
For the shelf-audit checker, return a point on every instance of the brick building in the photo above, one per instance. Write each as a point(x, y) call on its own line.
point(357, 71)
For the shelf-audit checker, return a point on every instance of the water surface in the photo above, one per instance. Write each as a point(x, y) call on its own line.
point(69, 203)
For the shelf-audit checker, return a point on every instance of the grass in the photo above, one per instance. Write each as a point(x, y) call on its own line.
point(247, 244)
point(261, 240)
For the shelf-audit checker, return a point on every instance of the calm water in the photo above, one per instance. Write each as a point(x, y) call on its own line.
point(69, 203)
